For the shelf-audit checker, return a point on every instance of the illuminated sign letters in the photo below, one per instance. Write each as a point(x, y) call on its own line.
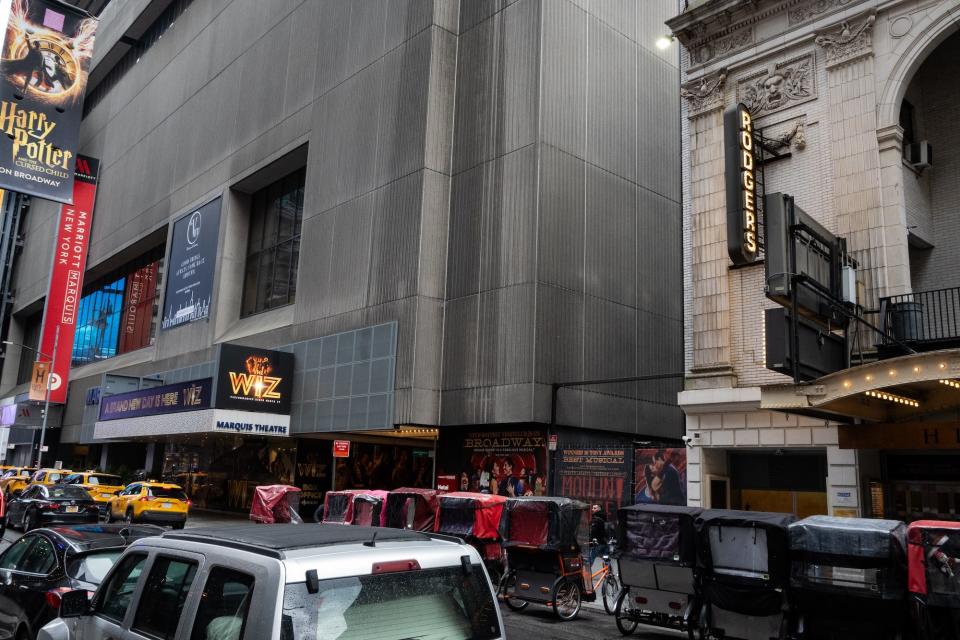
point(742, 197)
point(252, 379)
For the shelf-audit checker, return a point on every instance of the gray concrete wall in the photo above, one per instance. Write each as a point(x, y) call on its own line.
point(499, 177)
point(565, 219)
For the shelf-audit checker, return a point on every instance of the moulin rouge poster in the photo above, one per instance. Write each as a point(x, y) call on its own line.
point(46, 56)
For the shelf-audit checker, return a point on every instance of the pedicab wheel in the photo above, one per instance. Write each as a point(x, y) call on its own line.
point(514, 604)
point(611, 591)
point(566, 599)
point(625, 622)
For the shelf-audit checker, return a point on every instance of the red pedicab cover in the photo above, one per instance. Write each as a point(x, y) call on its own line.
point(369, 506)
point(475, 515)
point(338, 506)
point(919, 535)
point(425, 509)
point(548, 523)
point(271, 504)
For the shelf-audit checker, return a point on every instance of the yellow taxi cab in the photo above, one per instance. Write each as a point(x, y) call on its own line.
point(149, 501)
point(49, 477)
point(14, 481)
point(101, 486)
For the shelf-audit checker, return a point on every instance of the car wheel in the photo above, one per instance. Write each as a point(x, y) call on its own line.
point(179, 525)
point(31, 520)
point(129, 517)
point(566, 599)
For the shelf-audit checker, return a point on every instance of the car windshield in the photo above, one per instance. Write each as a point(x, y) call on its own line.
point(68, 492)
point(92, 567)
point(100, 479)
point(436, 604)
point(166, 492)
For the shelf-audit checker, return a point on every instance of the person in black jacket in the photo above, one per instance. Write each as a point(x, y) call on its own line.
point(598, 534)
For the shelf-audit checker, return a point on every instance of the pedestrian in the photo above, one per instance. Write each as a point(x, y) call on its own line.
point(598, 534)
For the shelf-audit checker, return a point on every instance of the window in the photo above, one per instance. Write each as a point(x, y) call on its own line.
point(165, 492)
point(41, 559)
point(116, 597)
point(164, 594)
point(117, 312)
point(11, 559)
point(273, 245)
point(907, 123)
point(69, 492)
point(224, 605)
point(92, 567)
point(435, 603)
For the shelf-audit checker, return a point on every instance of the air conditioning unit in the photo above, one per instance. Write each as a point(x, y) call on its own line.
point(919, 154)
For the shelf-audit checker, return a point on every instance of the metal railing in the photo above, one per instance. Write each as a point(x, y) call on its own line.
point(924, 320)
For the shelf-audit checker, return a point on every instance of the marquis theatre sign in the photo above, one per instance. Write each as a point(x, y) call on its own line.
point(741, 156)
point(252, 379)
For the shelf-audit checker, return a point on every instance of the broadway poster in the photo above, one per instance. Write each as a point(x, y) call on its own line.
point(508, 463)
point(596, 474)
point(45, 61)
point(660, 476)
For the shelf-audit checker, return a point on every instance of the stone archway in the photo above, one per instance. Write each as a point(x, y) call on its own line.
point(932, 27)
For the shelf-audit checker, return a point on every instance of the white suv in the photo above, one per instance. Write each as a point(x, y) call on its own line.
point(287, 582)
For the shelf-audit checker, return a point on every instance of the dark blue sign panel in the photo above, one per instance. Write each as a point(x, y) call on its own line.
point(193, 257)
point(172, 398)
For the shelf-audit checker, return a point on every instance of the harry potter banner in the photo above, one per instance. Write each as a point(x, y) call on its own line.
point(45, 61)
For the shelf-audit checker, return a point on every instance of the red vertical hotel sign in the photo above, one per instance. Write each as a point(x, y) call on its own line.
point(66, 278)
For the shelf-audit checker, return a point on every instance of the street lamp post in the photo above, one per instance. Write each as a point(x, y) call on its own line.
point(46, 394)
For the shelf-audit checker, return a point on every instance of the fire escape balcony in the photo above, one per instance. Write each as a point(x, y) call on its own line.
point(923, 321)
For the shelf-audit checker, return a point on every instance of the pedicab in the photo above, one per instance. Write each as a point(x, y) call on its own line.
point(544, 560)
point(933, 552)
point(848, 578)
point(474, 517)
point(743, 565)
point(410, 508)
point(339, 507)
point(657, 560)
point(368, 508)
point(276, 503)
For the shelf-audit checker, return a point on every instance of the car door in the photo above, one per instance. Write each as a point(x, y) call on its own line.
point(126, 497)
point(10, 613)
point(31, 577)
point(167, 598)
point(112, 604)
point(19, 505)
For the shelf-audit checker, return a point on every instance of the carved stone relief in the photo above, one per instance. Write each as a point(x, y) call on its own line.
point(704, 94)
point(810, 10)
point(794, 137)
point(786, 84)
point(707, 51)
point(853, 39)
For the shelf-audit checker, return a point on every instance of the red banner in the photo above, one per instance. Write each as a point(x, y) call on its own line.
point(138, 308)
point(66, 278)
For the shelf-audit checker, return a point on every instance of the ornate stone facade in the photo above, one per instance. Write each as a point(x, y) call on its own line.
point(705, 94)
point(810, 10)
point(784, 85)
point(707, 51)
point(851, 40)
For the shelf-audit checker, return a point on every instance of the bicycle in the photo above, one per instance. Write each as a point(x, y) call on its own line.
point(605, 579)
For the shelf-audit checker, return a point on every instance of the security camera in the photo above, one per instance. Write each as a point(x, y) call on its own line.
point(691, 439)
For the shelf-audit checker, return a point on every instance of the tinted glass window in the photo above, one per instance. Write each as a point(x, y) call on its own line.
point(92, 567)
point(15, 554)
point(73, 479)
point(116, 596)
point(163, 597)
point(436, 603)
point(108, 480)
point(68, 492)
point(224, 605)
point(40, 559)
point(160, 492)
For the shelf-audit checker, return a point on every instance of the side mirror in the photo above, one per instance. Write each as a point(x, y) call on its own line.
point(74, 604)
point(6, 578)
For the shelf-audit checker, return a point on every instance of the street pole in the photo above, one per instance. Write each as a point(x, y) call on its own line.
point(46, 399)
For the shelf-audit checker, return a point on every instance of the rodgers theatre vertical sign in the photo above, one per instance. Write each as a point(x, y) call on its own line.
point(66, 277)
point(45, 60)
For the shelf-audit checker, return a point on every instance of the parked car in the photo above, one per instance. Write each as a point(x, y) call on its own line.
point(15, 480)
point(148, 501)
point(49, 477)
point(40, 566)
point(312, 582)
point(102, 486)
point(41, 505)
